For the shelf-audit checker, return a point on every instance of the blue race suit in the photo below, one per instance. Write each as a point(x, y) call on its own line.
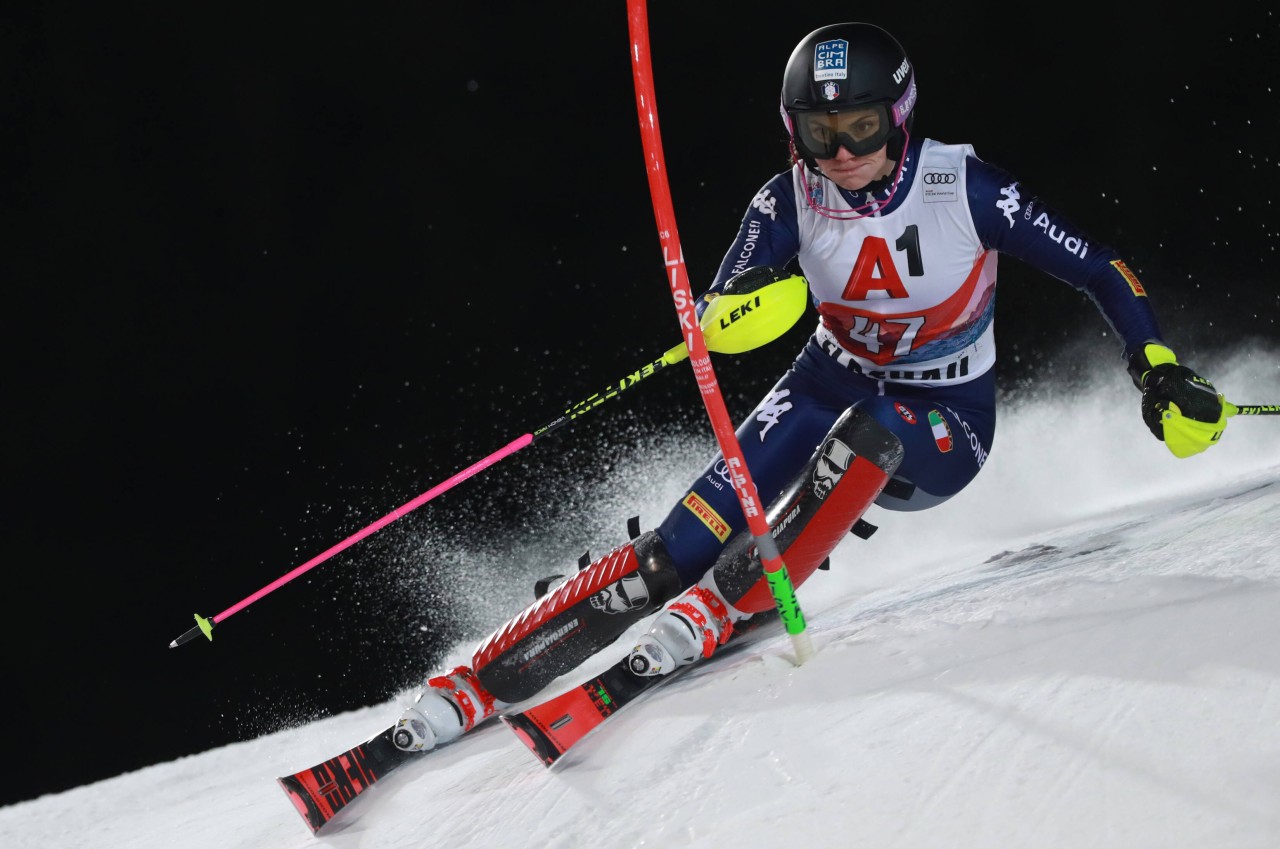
point(905, 294)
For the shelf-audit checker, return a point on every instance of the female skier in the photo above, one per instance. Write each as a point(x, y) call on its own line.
point(891, 401)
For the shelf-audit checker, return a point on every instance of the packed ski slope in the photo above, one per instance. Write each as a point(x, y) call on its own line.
point(1081, 650)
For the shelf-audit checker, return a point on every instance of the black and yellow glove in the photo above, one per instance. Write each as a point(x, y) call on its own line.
point(1180, 407)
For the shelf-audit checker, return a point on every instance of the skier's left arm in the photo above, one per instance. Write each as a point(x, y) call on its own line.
point(1179, 406)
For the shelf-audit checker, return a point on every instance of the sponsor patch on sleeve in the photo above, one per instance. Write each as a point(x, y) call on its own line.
point(707, 516)
point(1129, 277)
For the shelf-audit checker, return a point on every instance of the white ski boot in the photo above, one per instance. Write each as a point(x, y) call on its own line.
point(451, 705)
point(692, 627)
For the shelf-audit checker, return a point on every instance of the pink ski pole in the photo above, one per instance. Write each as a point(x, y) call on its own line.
point(205, 626)
point(738, 323)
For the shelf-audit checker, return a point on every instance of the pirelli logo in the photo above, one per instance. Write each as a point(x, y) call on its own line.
point(1130, 277)
point(707, 516)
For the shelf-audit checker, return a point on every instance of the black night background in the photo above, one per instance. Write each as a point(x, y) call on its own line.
point(271, 272)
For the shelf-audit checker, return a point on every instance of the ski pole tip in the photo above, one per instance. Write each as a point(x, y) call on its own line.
point(803, 644)
point(203, 626)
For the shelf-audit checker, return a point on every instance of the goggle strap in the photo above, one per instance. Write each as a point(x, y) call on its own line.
point(902, 107)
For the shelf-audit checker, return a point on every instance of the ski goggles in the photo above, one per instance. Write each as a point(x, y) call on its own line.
point(859, 129)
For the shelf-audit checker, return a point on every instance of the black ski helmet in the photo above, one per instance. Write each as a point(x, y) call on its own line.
point(843, 66)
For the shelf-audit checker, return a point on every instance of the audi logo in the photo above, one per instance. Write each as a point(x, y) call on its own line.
point(936, 179)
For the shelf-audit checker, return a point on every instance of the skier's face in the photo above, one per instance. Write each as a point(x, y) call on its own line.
point(856, 172)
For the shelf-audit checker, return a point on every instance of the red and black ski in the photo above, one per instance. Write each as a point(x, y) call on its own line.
point(552, 727)
point(549, 728)
point(323, 790)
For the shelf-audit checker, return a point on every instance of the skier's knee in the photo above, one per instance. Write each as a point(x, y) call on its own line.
point(843, 477)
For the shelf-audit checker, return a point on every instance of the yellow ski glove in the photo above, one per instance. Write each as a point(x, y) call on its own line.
point(1180, 407)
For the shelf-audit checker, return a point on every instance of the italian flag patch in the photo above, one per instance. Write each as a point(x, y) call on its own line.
point(941, 432)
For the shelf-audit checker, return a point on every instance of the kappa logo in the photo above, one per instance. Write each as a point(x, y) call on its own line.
point(766, 203)
point(1010, 204)
point(771, 409)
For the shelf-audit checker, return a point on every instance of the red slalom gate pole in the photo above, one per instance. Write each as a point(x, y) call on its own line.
point(673, 255)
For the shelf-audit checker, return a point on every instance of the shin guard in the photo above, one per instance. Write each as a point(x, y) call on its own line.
point(576, 619)
point(841, 480)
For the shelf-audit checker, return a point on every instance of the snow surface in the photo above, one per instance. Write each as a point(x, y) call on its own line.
point(1081, 650)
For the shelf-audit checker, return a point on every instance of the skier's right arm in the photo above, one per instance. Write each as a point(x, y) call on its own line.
point(768, 235)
